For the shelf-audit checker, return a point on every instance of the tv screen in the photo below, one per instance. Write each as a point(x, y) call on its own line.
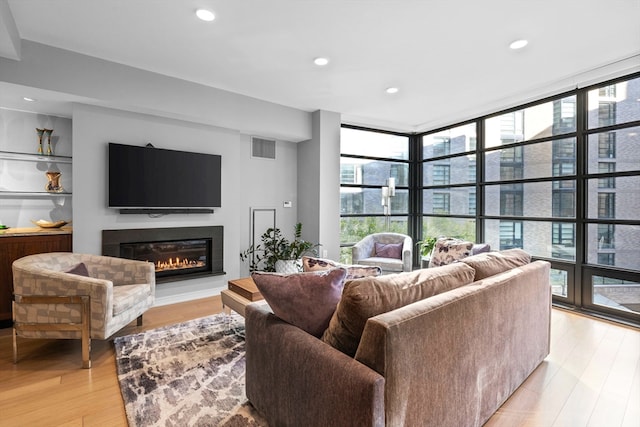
point(154, 178)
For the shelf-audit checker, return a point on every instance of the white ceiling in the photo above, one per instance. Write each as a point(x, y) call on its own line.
point(449, 58)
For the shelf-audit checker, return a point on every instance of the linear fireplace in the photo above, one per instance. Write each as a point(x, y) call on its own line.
point(178, 253)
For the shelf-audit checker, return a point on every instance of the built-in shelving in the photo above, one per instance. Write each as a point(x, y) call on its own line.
point(8, 193)
point(31, 157)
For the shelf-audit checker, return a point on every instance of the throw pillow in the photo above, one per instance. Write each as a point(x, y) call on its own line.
point(449, 250)
point(79, 269)
point(306, 300)
point(491, 263)
point(354, 271)
point(479, 248)
point(370, 296)
point(389, 250)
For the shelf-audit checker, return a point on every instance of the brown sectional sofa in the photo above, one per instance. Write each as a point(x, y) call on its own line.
point(450, 359)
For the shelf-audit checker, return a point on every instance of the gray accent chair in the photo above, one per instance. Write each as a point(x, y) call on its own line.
point(363, 252)
point(95, 302)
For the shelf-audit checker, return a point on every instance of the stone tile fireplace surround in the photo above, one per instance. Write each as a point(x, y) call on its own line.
point(179, 253)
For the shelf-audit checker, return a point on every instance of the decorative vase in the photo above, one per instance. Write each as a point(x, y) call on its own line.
point(40, 134)
point(53, 186)
point(47, 133)
point(288, 266)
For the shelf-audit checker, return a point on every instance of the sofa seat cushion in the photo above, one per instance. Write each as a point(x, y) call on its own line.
point(489, 264)
point(370, 296)
point(305, 300)
point(127, 296)
point(354, 271)
point(386, 264)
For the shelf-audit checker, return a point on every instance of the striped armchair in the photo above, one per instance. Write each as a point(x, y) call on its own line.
point(78, 296)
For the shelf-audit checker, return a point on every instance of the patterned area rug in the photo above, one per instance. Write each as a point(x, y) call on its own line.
point(189, 374)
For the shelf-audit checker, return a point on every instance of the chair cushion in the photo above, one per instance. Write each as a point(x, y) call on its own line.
point(306, 300)
point(448, 250)
point(491, 263)
point(386, 264)
point(388, 250)
point(127, 296)
point(370, 296)
point(354, 271)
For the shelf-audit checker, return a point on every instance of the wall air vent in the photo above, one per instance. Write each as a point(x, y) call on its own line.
point(263, 148)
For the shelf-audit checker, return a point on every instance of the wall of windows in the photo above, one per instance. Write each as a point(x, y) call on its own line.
point(368, 159)
point(559, 178)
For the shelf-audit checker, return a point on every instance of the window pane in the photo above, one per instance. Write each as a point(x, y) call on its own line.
point(559, 282)
point(621, 200)
point(369, 201)
point(621, 147)
point(454, 201)
point(545, 159)
point(451, 141)
point(614, 244)
point(371, 172)
point(353, 229)
point(616, 293)
point(456, 170)
point(614, 104)
point(535, 237)
point(373, 144)
point(543, 120)
point(461, 228)
point(535, 199)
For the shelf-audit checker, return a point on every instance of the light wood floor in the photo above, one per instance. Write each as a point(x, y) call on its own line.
point(591, 378)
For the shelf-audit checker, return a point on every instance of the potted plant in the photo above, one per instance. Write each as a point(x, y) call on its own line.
point(426, 247)
point(276, 253)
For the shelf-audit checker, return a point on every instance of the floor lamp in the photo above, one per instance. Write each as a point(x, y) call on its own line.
point(388, 192)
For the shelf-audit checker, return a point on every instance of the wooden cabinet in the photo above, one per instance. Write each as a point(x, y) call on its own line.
point(14, 246)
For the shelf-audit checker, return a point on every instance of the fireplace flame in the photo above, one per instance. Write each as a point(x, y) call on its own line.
point(178, 264)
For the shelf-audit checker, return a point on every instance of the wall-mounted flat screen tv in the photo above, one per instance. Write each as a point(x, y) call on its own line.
point(149, 178)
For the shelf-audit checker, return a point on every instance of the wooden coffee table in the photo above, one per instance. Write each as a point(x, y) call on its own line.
point(241, 292)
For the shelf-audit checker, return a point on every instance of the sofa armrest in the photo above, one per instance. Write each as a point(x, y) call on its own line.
point(38, 281)
point(468, 348)
point(407, 254)
point(362, 250)
point(294, 379)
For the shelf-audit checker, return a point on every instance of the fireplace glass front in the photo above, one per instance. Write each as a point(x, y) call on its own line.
point(172, 258)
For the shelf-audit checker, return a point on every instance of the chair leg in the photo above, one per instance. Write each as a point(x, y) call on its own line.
point(86, 333)
point(15, 334)
point(139, 320)
point(15, 348)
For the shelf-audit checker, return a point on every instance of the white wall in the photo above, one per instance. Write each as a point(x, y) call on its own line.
point(105, 83)
point(319, 183)
point(173, 113)
point(246, 182)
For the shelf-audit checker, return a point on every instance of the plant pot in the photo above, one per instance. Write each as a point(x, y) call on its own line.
point(289, 266)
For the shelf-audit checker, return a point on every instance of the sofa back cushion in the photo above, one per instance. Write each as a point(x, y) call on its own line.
point(491, 263)
point(370, 296)
point(306, 300)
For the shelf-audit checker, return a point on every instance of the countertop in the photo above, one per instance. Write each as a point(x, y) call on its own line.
point(35, 231)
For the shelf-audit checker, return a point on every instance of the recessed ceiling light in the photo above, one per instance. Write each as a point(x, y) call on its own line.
point(518, 44)
point(321, 61)
point(391, 90)
point(205, 15)
point(26, 98)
